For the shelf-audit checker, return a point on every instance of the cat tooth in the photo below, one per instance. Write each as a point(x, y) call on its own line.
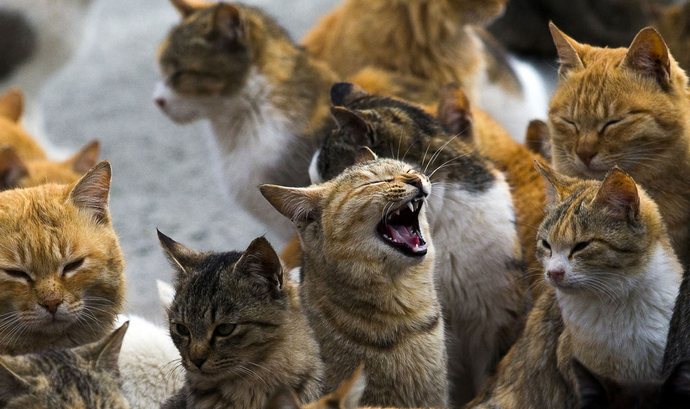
point(410, 206)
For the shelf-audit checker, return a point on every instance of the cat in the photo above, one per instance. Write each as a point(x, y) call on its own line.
point(613, 281)
point(12, 132)
point(478, 267)
point(367, 279)
point(597, 392)
point(266, 99)
point(631, 108)
point(438, 42)
point(61, 267)
point(239, 328)
point(347, 396)
point(81, 377)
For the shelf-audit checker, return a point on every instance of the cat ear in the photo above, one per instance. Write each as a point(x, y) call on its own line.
point(648, 55)
point(226, 22)
point(182, 258)
point(350, 391)
point(678, 383)
point(12, 168)
point(299, 204)
point(188, 7)
point(86, 158)
point(618, 192)
point(590, 388)
point(365, 155)
point(261, 262)
point(92, 191)
point(344, 93)
point(283, 399)
point(567, 49)
point(12, 105)
point(562, 185)
point(454, 112)
point(538, 139)
point(353, 125)
point(104, 354)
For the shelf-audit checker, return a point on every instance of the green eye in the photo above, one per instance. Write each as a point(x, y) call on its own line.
point(182, 330)
point(224, 330)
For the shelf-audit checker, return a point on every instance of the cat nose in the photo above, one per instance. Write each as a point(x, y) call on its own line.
point(51, 305)
point(556, 274)
point(586, 156)
point(160, 102)
point(417, 182)
point(198, 362)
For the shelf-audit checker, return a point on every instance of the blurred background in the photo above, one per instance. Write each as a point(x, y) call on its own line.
point(88, 68)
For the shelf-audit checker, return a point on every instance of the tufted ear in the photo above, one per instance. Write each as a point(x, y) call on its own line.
point(299, 204)
point(12, 105)
point(618, 193)
point(188, 7)
point(649, 56)
point(562, 185)
point(92, 191)
point(568, 51)
point(86, 158)
point(12, 168)
point(261, 263)
point(104, 354)
point(183, 259)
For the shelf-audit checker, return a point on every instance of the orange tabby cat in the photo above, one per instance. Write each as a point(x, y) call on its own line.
point(61, 267)
point(628, 107)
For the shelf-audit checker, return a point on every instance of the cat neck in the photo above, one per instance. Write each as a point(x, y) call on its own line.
point(625, 338)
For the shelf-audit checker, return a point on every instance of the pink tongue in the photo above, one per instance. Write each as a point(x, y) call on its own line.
point(402, 234)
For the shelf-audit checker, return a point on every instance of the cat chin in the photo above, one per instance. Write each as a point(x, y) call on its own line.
point(179, 109)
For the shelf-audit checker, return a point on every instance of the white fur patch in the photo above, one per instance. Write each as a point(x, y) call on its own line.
point(314, 174)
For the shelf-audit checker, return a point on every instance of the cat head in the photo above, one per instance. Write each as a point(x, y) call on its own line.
point(16, 172)
point(373, 212)
point(623, 106)
point(598, 237)
point(61, 267)
point(208, 57)
point(599, 392)
point(230, 309)
point(347, 396)
point(82, 377)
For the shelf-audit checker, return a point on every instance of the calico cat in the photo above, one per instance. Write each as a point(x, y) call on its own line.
point(239, 328)
point(597, 392)
point(478, 256)
point(81, 377)
point(613, 281)
point(347, 396)
point(266, 98)
point(367, 279)
point(61, 267)
point(630, 108)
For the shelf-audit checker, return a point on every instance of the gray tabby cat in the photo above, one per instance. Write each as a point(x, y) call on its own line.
point(77, 378)
point(239, 328)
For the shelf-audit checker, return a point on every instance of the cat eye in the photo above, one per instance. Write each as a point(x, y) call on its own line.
point(546, 244)
point(224, 330)
point(182, 330)
point(570, 123)
point(74, 265)
point(609, 123)
point(579, 247)
point(18, 274)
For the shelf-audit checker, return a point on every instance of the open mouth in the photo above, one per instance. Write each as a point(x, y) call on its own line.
point(400, 228)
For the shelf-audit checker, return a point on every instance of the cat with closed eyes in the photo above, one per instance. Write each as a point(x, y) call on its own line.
point(240, 329)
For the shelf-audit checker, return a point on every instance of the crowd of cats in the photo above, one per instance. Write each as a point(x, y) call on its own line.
point(430, 261)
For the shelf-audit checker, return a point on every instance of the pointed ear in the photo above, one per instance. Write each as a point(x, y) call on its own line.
point(299, 204)
point(188, 7)
point(678, 383)
point(12, 105)
point(260, 261)
point(92, 191)
point(343, 93)
point(283, 399)
point(568, 51)
point(12, 168)
point(365, 155)
point(562, 185)
point(353, 125)
point(454, 112)
point(591, 390)
point(538, 139)
point(350, 391)
point(618, 193)
point(648, 55)
point(226, 23)
point(104, 354)
point(86, 158)
point(183, 259)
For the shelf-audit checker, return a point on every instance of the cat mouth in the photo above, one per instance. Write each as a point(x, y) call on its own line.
point(400, 228)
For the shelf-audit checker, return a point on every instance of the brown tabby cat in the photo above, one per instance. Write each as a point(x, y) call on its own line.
point(631, 108)
point(265, 97)
point(61, 267)
point(614, 279)
point(368, 285)
point(77, 378)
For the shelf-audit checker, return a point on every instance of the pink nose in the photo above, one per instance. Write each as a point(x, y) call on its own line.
point(160, 102)
point(51, 305)
point(556, 274)
point(586, 156)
